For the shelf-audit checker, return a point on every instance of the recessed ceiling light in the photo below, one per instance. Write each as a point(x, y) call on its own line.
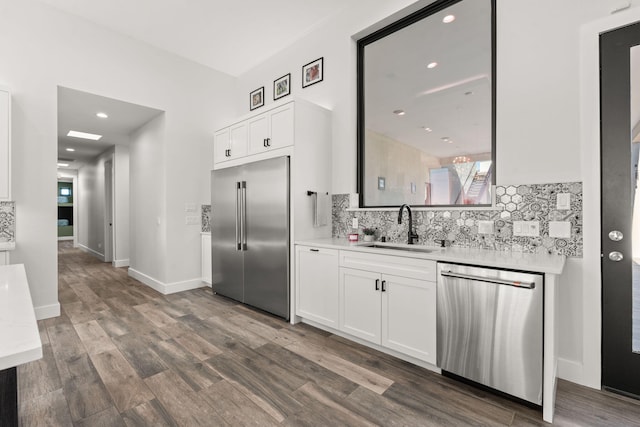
point(63, 165)
point(84, 135)
point(399, 112)
point(446, 139)
point(427, 129)
point(448, 19)
point(432, 65)
point(71, 149)
point(102, 115)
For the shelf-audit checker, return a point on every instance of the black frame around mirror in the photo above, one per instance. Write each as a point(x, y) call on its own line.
point(425, 12)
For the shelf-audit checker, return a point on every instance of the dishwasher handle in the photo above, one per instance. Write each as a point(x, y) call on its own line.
point(517, 284)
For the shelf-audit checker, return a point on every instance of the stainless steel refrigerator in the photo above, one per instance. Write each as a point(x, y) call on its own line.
point(250, 234)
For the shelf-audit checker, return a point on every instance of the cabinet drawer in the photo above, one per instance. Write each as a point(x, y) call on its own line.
point(400, 266)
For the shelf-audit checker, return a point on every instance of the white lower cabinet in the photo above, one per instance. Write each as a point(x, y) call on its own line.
point(386, 300)
point(317, 285)
point(205, 260)
point(393, 311)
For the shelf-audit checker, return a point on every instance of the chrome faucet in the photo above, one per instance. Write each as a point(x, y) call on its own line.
point(411, 236)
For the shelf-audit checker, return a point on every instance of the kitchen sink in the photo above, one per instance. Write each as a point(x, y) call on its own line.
point(400, 248)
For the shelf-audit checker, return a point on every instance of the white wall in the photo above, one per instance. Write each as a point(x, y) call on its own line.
point(92, 205)
point(539, 104)
point(148, 200)
point(121, 206)
point(42, 48)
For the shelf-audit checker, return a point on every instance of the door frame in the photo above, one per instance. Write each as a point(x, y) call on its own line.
point(109, 211)
point(590, 371)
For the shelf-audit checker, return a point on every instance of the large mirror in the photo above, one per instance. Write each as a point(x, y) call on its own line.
point(426, 111)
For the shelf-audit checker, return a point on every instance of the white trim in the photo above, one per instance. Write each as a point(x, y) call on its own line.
point(91, 252)
point(166, 288)
point(117, 263)
point(47, 311)
point(590, 137)
point(570, 370)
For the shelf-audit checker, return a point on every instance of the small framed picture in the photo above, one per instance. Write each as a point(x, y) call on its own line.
point(282, 87)
point(382, 183)
point(256, 98)
point(312, 73)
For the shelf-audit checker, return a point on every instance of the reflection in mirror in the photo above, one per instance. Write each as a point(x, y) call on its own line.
point(426, 113)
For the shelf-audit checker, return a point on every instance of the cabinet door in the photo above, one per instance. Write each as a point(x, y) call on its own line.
point(221, 145)
point(5, 145)
point(409, 316)
point(317, 283)
point(205, 253)
point(258, 128)
point(360, 304)
point(238, 140)
point(282, 129)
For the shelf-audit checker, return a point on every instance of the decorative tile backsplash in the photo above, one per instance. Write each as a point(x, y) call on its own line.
point(7, 221)
point(459, 226)
point(206, 218)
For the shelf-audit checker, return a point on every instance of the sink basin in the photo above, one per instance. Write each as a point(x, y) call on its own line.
point(401, 248)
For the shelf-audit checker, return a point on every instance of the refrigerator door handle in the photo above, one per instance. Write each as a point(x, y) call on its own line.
point(243, 226)
point(238, 210)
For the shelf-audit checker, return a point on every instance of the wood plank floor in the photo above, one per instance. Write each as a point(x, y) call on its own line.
point(123, 355)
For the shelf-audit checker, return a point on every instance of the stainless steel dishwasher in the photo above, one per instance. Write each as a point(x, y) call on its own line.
point(489, 324)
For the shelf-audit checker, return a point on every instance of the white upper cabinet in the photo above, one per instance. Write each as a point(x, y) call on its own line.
point(5, 144)
point(230, 143)
point(273, 129)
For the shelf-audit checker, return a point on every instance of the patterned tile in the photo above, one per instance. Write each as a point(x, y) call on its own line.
point(205, 218)
point(7, 221)
point(534, 202)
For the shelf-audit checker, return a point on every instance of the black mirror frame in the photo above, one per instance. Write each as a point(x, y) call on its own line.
point(429, 10)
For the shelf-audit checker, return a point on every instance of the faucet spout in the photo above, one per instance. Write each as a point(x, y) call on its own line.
point(411, 236)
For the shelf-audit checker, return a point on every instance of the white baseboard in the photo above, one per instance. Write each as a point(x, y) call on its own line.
point(166, 288)
point(47, 311)
point(571, 370)
point(91, 251)
point(120, 263)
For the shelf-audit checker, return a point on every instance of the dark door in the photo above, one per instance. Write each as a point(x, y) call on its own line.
point(619, 162)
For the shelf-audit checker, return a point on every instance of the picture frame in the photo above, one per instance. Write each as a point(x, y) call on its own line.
point(282, 86)
point(313, 72)
point(256, 98)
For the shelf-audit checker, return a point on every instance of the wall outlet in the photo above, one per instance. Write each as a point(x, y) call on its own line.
point(354, 223)
point(192, 220)
point(560, 229)
point(485, 227)
point(190, 207)
point(563, 201)
point(526, 228)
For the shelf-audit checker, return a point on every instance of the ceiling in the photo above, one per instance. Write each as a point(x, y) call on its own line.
point(229, 36)
point(77, 111)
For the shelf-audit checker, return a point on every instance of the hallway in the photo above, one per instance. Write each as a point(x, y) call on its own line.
point(122, 354)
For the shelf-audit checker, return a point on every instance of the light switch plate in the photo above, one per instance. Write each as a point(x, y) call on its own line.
point(485, 227)
point(192, 220)
point(560, 229)
point(563, 202)
point(190, 207)
point(526, 228)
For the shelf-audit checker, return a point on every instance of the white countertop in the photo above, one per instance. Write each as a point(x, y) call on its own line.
point(540, 263)
point(19, 337)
